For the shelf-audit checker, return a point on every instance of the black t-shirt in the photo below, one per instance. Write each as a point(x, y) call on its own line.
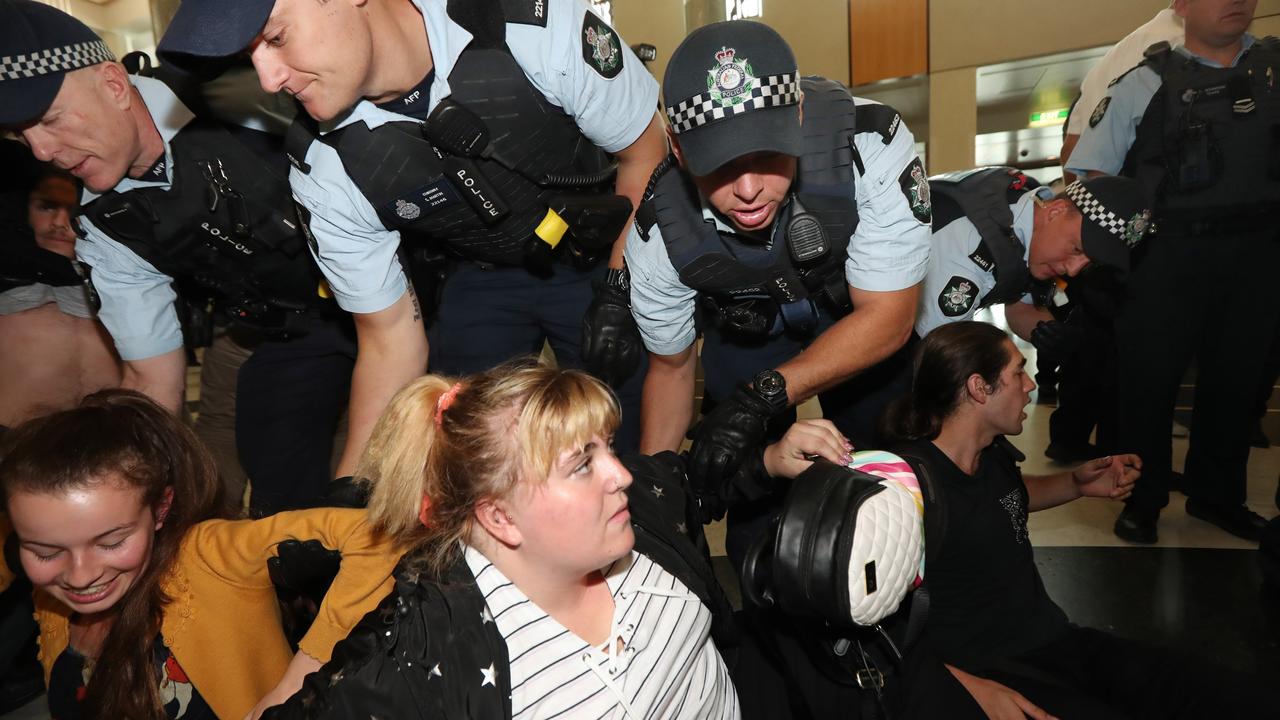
point(415, 102)
point(986, 597)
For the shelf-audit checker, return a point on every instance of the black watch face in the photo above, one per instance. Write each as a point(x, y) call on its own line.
point(770, 383)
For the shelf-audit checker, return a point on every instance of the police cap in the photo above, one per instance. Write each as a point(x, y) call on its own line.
point(39, 45)
point(739, 71)
point(1116, 217)
point(203, 29)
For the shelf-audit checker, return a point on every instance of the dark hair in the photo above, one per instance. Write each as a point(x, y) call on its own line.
point(943, 363)
point(121, 436)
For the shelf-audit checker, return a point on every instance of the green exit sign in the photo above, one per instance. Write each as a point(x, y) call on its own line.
point(1049, 117)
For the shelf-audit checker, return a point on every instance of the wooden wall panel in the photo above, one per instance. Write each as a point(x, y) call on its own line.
point(888, 39)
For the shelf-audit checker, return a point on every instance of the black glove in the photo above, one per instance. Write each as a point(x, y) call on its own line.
point(732, 433)
point(304, 566)
point(610, 339)
point(1057, 339)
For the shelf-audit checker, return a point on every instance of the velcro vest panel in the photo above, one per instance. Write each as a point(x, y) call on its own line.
point(1208, 147)
point(250, 252)
point(535, 150)
point(983, 196)
point(727, 268)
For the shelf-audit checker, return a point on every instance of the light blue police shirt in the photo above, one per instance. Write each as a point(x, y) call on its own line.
point(1113, 126)
point(356, 252)
point(888, 251)
point(956, 284)
point(137, 299)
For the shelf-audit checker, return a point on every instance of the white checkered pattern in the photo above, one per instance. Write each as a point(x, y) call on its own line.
point(54, 60)
point(1097, 213)
point(771, 91)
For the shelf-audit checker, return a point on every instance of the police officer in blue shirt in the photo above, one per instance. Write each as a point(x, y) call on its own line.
point(490, 129)
point(171, 197)
point(804, 243)
point(1196, 125)
point(999, 239)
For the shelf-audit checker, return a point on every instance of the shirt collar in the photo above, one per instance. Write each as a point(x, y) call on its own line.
point(447, 40)
point(169, 115)
point(1024, 217)
point(1246, 42)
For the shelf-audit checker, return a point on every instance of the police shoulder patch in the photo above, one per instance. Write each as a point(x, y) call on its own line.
point(1099, 111)
point(526, 12)
point(601, 46)
point(915, 187)
point(958, 296)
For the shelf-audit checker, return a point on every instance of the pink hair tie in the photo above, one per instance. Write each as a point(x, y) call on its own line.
point(444, 401)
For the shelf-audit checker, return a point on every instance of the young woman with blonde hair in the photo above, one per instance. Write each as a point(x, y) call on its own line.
point(544, 576)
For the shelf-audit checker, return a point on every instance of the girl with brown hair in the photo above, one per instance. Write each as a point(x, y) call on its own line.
point(151, 605)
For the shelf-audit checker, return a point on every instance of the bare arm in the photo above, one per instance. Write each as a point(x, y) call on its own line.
point(162, 378)
point(1106, 477)
point(666, 404)
point(635, 165)
point(879, 325)
point(1022, 318)
point(392, 351)
point(299, 668)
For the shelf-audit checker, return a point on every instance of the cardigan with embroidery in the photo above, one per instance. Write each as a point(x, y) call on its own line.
point(223, 622)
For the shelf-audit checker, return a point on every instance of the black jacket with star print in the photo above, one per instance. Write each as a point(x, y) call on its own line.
point(427, 652)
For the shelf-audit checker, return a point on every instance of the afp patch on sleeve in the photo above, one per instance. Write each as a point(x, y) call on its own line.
point(915, 187)
point(1099, 111)
point(526, 12)
point(601, 47)
point(958, 296)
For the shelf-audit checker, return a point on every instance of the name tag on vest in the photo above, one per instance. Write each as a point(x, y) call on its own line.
point(424, 201)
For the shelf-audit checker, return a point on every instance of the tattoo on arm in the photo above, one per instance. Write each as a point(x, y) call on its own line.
point(417, 309)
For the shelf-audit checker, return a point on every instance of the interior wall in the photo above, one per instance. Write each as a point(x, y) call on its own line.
point(660, 23)
point(1014, 29)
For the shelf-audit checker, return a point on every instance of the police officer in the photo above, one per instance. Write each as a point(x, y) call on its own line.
point(804, 244)
point(491, 129)
point(999, 239)
point(1195, 125)
point(169, 197)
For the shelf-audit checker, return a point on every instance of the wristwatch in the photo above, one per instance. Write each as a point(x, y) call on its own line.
point(772, 386)
point(618, 278)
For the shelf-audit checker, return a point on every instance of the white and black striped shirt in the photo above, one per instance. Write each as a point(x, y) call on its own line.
point(665, 665)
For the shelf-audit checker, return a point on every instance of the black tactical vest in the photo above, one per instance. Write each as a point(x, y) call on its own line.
point(227, 224)
point(483, 201)
point(1208, 146)
point(748, 284)
point(983, 196)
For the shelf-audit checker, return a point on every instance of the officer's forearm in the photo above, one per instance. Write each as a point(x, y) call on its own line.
point(392, 351)
point(160, 378)
point(879, 326)
point(635, 166)
point(1022, 318)
point(666, 405)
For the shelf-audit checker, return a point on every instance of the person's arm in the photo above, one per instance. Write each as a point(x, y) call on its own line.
point(666, 404)
point(1022, 318)
point(299, 668)
point(997, 701)
point(1105, 477)
point(635, 166)
point(1113, 125)
point(161, 378)
point(794, 452)
point(392, 351)
point(880, 324)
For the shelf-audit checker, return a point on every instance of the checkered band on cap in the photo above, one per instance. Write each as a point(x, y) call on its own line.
point(54, 60)
point(1095, 211)
point(771, 91)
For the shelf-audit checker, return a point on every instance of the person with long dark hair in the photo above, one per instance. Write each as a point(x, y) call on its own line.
point(151, 605)
point(990, 620)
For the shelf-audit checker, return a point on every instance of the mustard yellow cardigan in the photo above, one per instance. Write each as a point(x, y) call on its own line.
point(223, 623)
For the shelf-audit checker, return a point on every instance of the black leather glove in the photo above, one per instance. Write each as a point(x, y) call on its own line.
point(732, 433)
point(1057, 339)
point(611, 343)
